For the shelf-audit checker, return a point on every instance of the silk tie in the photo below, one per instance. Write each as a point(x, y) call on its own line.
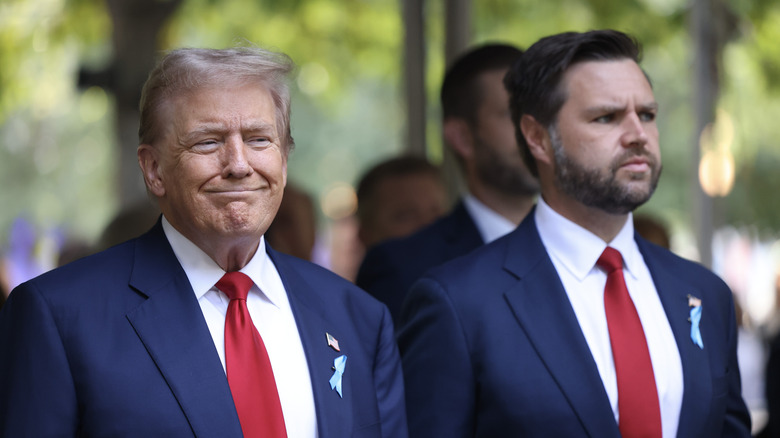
point(249, 372)
point(639, 413)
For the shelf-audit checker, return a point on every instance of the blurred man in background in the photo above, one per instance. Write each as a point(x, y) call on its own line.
point(397, 197)
point(500, 190)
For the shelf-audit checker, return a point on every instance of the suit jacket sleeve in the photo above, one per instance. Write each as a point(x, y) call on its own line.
point(389, 382)
point(440, 389)
point(37, 393)
point(384, 278)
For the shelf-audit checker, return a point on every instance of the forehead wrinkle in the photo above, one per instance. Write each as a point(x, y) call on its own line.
point(220, 128)
point(203, 129)
point(258, 125)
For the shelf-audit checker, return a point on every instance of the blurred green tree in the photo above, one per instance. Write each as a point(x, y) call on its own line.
point(59, 145)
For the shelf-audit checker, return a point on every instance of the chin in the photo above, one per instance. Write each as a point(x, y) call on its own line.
point(238, 225)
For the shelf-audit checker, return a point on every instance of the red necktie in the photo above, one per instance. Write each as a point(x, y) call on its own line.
point(638, 408)
point(249, 371)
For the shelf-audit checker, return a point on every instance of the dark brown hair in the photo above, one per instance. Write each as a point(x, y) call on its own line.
point(534, 81)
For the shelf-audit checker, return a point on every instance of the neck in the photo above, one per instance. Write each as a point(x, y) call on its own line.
point(513, 207)
point(230, 251)
point(232, 256)
point(597, 221)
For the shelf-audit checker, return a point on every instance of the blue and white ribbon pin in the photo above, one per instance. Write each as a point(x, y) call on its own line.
point(338, 366)
point(695, 318)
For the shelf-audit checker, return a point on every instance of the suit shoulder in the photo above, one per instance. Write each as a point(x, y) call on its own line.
point(100, 268)
point(95, 281)
point(470, 281)
point(399, 261)
point(682, 268)
point(318, 277)
point(409, 257)
point(482, 259)
point(414, 245)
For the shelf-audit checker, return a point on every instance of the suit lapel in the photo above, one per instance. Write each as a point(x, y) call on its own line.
point(673, 292)
point(171, 326)
point(334, 413)
point(542, 309)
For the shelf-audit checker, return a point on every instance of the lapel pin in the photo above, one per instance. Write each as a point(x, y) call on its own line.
point(333, 342)
point(338, 371)
point(695, 318)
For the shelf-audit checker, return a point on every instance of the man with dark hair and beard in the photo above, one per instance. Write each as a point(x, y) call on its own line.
point(573, 325)
point(500, 190)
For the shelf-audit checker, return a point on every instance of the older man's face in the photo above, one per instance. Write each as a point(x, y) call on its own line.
point(221, 168)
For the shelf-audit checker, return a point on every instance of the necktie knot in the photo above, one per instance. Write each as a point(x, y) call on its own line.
point(235, 285)
point(610, 260)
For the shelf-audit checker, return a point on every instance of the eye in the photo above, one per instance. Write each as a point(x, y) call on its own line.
point(606, 118)
point(205, 146)
point(259, 141)
point(647, 116)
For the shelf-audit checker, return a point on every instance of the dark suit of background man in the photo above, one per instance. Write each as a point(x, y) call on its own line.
point(129, 342)
point(478, 129)
point(513, 339)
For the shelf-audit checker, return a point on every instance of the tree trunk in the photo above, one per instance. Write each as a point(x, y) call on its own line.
point(137, 24)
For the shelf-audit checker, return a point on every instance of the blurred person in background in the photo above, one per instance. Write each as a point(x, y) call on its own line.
point(294, 229)
point(28, 253)
point(500, 191)
point(398, 196)
point(128, 223)
point(653, 230)
point(772, 369)
point(5, 289)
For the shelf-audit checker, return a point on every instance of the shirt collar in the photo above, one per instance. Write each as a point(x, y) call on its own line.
point(577, 248)
point(203, 272)
point(490, 224)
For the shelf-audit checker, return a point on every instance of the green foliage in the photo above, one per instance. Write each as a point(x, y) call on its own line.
point(55, 144)
point(349, 39)
point(767, 50)
point(752, 202)
point(58, 149)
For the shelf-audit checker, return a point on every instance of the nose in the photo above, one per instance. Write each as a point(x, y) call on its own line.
point(235, 160)
point(635, 131)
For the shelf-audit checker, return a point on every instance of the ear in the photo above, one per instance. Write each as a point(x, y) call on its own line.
point(457, 135)
point(148, 160)
point(284, 174)
point(538, 139)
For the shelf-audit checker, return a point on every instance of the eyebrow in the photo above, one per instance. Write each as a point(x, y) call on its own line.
point(207, 128)
point(607, 109)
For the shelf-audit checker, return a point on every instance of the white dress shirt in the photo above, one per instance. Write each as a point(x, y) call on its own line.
point(574, 252)
point(490, 224)
point(270, 310)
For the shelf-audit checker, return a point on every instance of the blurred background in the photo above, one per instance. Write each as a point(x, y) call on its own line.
point(366, 89)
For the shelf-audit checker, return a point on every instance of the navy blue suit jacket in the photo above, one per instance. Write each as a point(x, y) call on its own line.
point(116, 345)
point(491, 347)
point(390, 267)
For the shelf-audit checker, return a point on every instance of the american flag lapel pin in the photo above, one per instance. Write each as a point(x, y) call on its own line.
point(332, 342)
